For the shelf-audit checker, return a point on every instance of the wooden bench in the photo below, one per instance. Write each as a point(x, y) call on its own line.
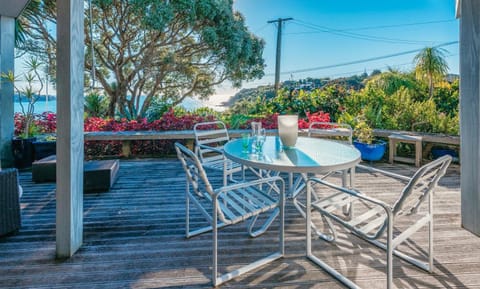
point(126, 137)
point(98, 176)
point(394, 139)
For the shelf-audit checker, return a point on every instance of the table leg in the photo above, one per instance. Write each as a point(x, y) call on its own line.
point(348, 209)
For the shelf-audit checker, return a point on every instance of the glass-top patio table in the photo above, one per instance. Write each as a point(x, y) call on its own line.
point(310, 155)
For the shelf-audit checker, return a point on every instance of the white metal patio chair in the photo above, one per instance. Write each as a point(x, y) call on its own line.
point(340, 132)
point(230, 205)
point(209, 140)
point(380, 217)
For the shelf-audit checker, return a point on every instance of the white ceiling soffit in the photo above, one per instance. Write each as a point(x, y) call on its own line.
point(12, 8)
point(458, 4)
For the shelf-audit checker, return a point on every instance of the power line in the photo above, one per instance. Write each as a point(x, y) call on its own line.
point(382, 26)
point(360, 61)
point(261, 28)
point(379, 68)
point(399, 25)
point(325, 29)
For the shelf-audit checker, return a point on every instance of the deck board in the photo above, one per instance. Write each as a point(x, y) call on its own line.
point(134, 238)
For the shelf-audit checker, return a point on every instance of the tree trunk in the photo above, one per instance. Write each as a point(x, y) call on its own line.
point(430, 87)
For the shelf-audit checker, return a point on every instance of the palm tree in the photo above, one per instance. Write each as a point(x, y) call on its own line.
point(391, 81)
point(430, 65)
point(21, 23)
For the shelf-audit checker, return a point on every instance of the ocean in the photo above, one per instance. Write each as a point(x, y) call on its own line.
point(40, 106)
point(51, 105)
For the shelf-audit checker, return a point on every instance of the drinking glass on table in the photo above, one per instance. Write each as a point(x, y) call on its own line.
point(260, 141)
point(245, 142)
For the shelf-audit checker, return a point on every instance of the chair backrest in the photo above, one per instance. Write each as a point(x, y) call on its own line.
point(330, 129)
point(197, 180)
point(196, 175)
point(422, 184)
point(212, 134)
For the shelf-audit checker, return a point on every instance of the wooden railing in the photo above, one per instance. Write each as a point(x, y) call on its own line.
point(127, 136)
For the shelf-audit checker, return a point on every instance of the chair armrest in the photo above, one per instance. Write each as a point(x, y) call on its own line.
point(251, 184)
point(353, 193)
point(351, 224)
point(386, 173)
point(213, 149)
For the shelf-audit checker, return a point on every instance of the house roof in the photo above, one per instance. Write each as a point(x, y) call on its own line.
point(11, 8)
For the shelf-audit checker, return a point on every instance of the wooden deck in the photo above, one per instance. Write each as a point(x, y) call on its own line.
point(134, 238)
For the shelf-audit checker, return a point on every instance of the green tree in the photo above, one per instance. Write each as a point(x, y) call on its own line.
point(430, 65)
point(157, 49)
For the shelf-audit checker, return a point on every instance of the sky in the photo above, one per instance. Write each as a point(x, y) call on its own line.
point(324, 34)
point(339, 38)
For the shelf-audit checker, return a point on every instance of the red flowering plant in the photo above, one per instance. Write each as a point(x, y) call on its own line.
point(271, 121)
point(45, 123)
point(318, 116)
point(169, 121)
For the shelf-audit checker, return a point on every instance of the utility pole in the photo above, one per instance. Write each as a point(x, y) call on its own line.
point(279, 22)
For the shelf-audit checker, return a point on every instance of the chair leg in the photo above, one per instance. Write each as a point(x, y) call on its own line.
point(187, 211)
point(218, 280)
point(265, 225)
point(334, 273)
point(225, 175)
point(389, 255)
point(281, 230)
point(214, 246)
point(430, 234)
point(252, 266)
point(430, 246)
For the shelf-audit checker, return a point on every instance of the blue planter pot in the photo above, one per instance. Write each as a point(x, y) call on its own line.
point(371, 152)
point(440, 152)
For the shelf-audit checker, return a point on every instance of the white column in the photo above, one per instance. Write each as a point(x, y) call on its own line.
point(7, 44)
point(70, 69)
point(470, 114)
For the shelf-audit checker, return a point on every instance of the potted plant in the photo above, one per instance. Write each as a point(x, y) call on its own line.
point(370, 149)
point(29, 92)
